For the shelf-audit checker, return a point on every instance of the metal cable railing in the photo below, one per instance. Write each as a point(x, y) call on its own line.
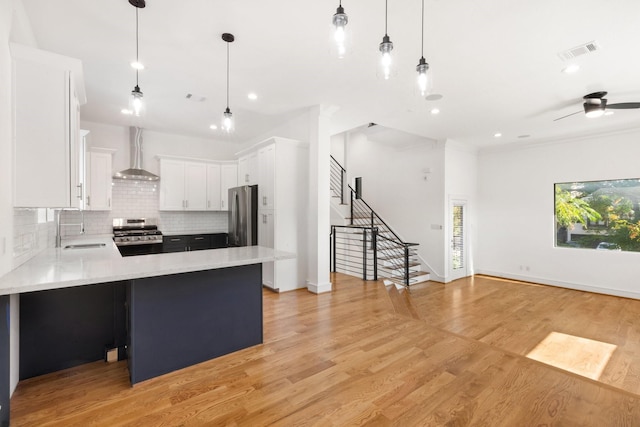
point(397, 255)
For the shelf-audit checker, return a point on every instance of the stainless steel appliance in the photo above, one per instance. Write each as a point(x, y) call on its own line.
point(138, 236)
point(243, 216)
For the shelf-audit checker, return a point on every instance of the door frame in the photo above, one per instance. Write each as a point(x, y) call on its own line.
point(466, 270)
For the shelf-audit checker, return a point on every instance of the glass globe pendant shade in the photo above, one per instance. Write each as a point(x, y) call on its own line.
point(385, 48)
point(423, 79)
point(136, 102)
point(340, 21)
point(227, 121)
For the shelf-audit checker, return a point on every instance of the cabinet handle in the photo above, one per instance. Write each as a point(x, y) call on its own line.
point(264, 219)
point(109, 201)
point(198, 238)
point(246, 177)
point(88, 200)
point(264, 200)
point(80, 196)
point(208, 203)
point(175, 240)
point(222, 203)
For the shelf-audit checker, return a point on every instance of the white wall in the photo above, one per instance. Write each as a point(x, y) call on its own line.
point(394, 185)
point(6, 130)
point(516, 213)
point(460, 179)
point(155, 143)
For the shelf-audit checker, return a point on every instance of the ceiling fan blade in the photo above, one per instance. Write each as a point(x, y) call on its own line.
point(568, 115)
point(624, 105)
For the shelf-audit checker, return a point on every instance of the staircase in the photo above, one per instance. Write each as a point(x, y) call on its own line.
point(363, 245)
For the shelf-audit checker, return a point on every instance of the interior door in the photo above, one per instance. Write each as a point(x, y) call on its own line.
point(458, 259)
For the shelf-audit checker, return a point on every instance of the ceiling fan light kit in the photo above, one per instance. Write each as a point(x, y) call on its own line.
point(595, 105)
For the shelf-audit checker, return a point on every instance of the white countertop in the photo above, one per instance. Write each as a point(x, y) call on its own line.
point(63, 268)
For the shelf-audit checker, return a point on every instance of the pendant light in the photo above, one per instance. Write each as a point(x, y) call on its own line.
point(227, 116)
point(422, 66)
point(340, 20)
point(386, 47)
point(136, 103)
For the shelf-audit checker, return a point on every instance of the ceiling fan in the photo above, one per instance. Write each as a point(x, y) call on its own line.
point(595, 105)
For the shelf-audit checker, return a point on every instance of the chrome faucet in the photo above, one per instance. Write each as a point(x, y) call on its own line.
point(59, 225)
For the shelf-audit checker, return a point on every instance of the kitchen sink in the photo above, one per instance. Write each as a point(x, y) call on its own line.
point(86, 246)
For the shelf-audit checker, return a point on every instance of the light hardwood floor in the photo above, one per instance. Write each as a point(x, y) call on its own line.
point(441, 355)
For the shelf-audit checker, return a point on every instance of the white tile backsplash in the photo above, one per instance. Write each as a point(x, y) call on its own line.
point(140, 199)
point(31, 230)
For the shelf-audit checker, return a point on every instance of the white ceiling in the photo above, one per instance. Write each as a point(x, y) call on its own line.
point(494, 61)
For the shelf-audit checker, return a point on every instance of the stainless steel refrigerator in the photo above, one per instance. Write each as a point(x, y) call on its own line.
point(243, 216)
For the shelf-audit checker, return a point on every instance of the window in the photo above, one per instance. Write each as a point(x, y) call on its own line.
point(601, 215)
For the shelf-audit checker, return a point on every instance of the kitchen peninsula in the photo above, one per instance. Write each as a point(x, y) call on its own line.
point(178, 309)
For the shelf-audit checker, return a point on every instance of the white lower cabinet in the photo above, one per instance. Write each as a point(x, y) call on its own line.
point(99, 178)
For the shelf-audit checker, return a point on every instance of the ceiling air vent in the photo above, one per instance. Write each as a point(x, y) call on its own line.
point(196, 98)
point(583, 49)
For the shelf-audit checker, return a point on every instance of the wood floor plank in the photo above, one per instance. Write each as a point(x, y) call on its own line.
point(451, 355)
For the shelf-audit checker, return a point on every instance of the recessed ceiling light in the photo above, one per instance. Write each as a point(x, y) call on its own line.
point(127, 112)
point(608, 113)
point(524, 136)
point(497, 134)
point(137, 65)
point(214, 127)
point(252, 96)
point(433, 97)
point(435, 111)
point(570, 69)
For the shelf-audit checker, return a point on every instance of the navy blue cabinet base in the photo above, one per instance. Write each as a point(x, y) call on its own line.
point(4, 360)
point(166, 323)
point(179, 320)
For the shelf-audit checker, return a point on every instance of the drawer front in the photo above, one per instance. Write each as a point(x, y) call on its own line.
point(174, 243)
point(199, 241)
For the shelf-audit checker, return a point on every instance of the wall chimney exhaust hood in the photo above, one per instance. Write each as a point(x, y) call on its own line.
point(136, 172)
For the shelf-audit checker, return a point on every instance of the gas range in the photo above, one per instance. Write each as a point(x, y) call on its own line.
point(137, 231)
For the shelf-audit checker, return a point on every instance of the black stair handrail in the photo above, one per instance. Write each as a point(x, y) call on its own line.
point(399, 240)
point(379, 240)
point(374, 249)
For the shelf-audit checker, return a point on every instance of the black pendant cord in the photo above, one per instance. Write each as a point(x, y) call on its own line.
point(227, 75)
point(386, 9)
point(422, 48)
point(137, 58)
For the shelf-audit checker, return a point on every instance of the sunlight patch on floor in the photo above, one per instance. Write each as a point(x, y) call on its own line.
point(579, 355)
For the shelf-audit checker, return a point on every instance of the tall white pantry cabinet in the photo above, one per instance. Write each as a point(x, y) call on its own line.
point(282, 178)
point(48, 90)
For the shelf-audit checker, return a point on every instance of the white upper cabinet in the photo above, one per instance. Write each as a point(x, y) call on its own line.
point(99, 178)
point(248, 169)
point(267, 181)
point(213, 187)
point(47, 93)
point(195, 188)
point(172, 181)
point(195, 185)
point(228, 179)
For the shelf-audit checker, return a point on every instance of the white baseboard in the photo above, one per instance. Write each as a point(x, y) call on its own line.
point(319, 288)
point(562, 284)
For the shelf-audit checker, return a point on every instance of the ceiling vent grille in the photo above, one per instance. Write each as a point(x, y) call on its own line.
point(583, 49)
point(196, 98)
